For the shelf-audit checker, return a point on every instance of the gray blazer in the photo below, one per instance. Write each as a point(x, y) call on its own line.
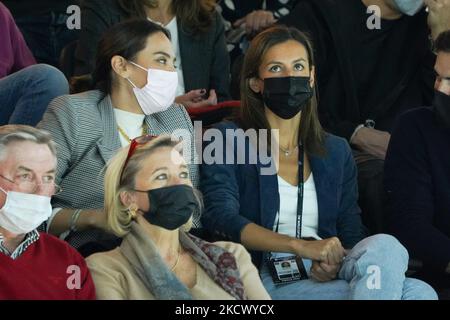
point(85, 130)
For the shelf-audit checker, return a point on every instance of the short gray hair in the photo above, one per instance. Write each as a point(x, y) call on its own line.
point(21, 133)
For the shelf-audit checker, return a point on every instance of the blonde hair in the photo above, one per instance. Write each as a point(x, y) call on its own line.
point(118, 215)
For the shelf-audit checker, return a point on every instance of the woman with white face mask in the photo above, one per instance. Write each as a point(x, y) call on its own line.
point(29, 259)
point(197, 34)
point(136, 85)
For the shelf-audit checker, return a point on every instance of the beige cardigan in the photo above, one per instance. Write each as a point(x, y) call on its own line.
point(115, 278)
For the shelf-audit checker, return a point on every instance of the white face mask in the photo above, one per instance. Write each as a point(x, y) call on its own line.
point(159, 92)
point(409, 7)
point(23, 212)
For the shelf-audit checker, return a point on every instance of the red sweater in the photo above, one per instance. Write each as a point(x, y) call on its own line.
point(49, 269)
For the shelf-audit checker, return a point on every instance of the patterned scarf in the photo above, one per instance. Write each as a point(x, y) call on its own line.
point(143, 255)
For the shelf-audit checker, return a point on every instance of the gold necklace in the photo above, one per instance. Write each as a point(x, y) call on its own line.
point(178, 259)
point(287, 153)
point(124, 134)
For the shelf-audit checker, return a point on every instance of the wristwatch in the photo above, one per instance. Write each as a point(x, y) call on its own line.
point(369, 123)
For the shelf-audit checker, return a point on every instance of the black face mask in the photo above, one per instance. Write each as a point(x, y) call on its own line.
point(286, 96)
point(441, 104)
point(171, 207)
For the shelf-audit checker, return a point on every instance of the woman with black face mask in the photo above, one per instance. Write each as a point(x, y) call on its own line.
point(303, 213)
point(133, 93)
point(149, 200)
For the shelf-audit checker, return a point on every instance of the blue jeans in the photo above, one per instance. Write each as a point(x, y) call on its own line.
point(25, 95)
point(373, 270)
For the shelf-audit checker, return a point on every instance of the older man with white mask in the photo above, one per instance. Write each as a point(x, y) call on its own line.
point(33, 265)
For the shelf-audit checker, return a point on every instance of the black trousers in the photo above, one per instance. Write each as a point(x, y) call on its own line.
point(372, 196)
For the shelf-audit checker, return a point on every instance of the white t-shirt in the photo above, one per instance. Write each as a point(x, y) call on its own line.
point(131, 123)
point(288, 209)
point(172, 26)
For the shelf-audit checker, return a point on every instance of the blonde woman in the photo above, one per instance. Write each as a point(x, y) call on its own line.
point(149, 200)
point(135, 60)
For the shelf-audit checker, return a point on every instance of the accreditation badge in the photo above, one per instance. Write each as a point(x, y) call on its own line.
point(287, 269)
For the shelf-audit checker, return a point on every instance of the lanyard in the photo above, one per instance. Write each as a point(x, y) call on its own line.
point(298, 230)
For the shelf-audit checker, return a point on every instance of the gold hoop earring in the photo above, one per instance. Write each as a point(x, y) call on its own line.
point(132, 211)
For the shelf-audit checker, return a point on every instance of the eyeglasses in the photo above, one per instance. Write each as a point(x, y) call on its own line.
point(26, 186)
point(133, 146)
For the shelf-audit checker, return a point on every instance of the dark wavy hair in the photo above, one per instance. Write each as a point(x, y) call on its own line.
point(252, 114)
point(194, 15)
point(125, 39)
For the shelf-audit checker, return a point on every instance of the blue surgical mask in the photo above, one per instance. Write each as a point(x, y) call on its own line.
point(409, 7)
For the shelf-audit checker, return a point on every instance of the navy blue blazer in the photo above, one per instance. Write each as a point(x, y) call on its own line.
point(238, 194)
